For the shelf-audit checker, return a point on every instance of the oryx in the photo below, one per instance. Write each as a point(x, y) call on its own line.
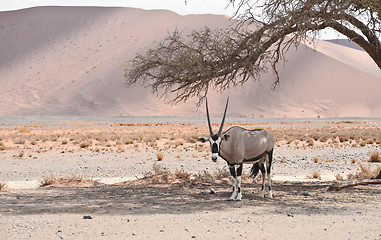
point(237, 146)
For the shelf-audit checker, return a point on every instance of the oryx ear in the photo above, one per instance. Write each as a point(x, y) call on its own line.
point(226, 137)
point(203, 140)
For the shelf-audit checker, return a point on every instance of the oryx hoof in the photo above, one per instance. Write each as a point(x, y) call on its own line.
point(270, 194)
point(239, 197)
point(233, 196)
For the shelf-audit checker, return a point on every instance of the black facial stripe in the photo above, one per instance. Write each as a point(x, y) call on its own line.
point(214, 148)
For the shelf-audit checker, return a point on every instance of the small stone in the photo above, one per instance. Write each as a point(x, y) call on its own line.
point(87, 217)
point(212, 191)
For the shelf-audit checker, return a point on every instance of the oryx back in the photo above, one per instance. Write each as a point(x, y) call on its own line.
point(244, 145)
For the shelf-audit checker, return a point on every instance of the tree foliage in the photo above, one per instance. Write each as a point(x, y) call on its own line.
point(218, 59)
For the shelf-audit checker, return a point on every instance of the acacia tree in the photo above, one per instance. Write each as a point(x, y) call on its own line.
point(218, 59)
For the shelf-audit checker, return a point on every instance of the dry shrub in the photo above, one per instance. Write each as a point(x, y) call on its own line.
point(67, 181)
point(157, 170)
point(316, 159)
point(339, 177)
point(2, 146)
point(221, 173)
point(353, 161)
point(85, 144)
point(48, 180)
point(24, 130)
point(21, 154)
point(310, 142)
point(375, 157)
point(160, 156)
point(203, 176)
point(316, 175)
point(2, 186)
point(182, 174)
point(365, 173)
point(128, 141)
point(283, 160)
point(64, 142)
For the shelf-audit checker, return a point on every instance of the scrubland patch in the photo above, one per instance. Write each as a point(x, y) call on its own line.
point(73, 181)
point(365, 172)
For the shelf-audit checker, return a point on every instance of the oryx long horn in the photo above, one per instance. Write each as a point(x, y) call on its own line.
point(223, 118)
point(207, 115)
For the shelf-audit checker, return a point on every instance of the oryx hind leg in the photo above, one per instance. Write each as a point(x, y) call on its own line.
point(263, 173)
point(269, 158)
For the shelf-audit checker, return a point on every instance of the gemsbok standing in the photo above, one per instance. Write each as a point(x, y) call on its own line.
point(238, 146)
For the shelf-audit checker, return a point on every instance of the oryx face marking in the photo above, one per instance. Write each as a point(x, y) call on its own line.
point(215, 144)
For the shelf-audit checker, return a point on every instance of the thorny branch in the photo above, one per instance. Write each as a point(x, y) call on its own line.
point(181, 67)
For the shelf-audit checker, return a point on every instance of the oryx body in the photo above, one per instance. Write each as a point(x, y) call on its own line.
point(238, 146)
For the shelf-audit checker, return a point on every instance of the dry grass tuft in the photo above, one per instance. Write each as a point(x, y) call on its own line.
point(2, 186)
point(204, 176)
point(339, 177)
point(160, 156)
point(48, 180)
point(375, 157)
point(182, 174)
point(157, 170)
point(24, 130)
point(316, 175)
point(2, 146)
point(85, 144)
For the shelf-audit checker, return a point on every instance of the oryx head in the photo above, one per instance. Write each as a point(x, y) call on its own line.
point(214, 139)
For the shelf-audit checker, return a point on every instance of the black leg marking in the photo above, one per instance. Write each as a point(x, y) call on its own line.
point(239, 170)
point(270, 155)
point(232, 171)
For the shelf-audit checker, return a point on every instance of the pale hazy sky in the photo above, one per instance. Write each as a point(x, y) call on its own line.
point(178, 6)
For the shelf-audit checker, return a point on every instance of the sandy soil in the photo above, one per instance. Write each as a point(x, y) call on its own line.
point(179, 209)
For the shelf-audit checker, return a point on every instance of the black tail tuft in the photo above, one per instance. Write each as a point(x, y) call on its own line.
point(254, 170)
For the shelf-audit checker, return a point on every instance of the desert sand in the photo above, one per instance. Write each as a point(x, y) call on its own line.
point(71, 61)
point(112, 191)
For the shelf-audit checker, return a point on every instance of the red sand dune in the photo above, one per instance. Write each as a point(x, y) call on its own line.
point(69, 61)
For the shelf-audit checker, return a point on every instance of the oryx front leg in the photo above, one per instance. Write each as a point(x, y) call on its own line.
point(234, 182)
point(239, 173)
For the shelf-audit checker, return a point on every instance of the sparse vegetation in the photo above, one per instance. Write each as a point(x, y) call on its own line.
point(339, 177)
point(2, 186)
point(48, 180)
point(316, 174)
point(65, 181)
point(157, 169)
point(160, 156)
point(2, 146)
point(21, 154)
point(182, 174)
point(365, 173)
point(375, 157)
